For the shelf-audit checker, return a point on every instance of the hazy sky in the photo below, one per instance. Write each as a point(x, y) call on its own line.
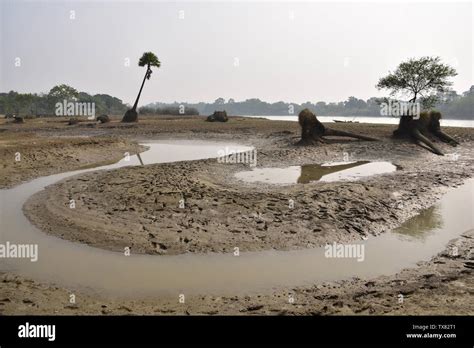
point(309, 51)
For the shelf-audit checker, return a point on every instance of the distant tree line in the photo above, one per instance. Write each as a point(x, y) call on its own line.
point(168, 110)
point(453, 105)
point(44, 104)
point(450, 104)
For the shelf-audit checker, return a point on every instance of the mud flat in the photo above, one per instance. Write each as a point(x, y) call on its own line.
point(25, 155)
point(139, 207)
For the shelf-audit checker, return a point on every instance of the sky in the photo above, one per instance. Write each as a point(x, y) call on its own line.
point(294, 52)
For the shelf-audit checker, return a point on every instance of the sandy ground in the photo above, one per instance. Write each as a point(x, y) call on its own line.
point(221, 212)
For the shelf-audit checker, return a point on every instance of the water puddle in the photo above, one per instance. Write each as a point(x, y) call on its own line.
point(327, 172)
point(77, 266)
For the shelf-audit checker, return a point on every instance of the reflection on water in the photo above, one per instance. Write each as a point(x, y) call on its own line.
point(317, 172)
point(183, 150)
point(422, 225)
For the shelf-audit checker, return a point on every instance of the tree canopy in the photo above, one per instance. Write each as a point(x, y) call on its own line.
point(419, 78)
point(63, 91)
point(44, 104)
point(149, 59)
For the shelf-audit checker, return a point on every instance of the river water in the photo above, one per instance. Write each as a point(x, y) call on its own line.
point(366, 119)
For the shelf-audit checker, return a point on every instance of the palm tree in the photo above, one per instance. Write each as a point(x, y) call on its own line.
point(148, 59)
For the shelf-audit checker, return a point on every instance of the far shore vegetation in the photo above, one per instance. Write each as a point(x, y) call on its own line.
point(451, 104)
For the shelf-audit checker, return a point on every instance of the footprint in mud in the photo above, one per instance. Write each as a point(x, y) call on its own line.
point(184, 240)
point(469, 264)
point(160, 248)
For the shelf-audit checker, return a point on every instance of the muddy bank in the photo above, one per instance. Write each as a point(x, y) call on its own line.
point(443, 286)
point(24, 156)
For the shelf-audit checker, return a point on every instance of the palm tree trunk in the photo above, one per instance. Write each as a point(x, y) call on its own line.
point(141, 88)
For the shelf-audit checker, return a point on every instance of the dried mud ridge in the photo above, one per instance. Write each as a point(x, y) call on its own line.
point(443, 286)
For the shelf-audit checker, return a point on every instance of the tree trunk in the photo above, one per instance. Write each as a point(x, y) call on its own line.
point(424, 140)
point(312, 130)
point(335, 132)
point(132, 115)
point(141, 88)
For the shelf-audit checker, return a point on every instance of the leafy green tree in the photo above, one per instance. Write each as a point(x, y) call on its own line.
point(108, 104)
point(148, 59)
point(61, 92)
point(9, 103)
point(419, 78)
point(219, 101)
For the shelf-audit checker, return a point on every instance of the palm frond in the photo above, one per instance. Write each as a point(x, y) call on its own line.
point(149, 59)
